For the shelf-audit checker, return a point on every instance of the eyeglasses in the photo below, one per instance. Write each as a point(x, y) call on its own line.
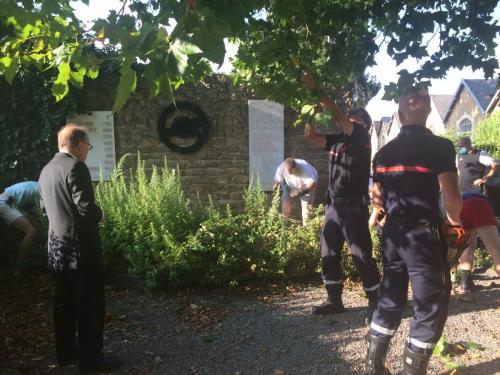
point(90, 146)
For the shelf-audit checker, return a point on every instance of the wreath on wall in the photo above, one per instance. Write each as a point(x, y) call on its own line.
point(183, 127)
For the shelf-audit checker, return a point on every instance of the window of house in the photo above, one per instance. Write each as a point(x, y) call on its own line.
point(465, 126)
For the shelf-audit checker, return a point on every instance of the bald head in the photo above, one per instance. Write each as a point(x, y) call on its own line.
point(74, 139)
point(414, 106)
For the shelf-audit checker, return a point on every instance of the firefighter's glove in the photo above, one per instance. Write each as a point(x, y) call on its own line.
point(457, 239)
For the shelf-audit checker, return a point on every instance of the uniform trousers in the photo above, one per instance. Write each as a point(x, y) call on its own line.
point(347, 222)
point(413, 254)
point(79, 307)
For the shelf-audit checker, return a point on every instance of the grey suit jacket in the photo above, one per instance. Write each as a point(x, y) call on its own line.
point(67, 199)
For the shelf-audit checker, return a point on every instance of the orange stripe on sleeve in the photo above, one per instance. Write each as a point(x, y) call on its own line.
point(404, 168)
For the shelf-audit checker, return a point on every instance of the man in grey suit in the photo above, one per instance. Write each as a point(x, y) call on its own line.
point(74, 253)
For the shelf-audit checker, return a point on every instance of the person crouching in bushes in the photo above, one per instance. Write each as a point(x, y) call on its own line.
point(15, 203)
point(297, 179)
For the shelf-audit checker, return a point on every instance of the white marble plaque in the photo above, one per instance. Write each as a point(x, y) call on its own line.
point(102, 138)
point(266, 140)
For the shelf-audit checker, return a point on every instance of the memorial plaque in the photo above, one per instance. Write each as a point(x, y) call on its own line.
point(266, 140)
point(102, 138)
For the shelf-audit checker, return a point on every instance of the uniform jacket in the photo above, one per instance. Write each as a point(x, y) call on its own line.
point(67, 199)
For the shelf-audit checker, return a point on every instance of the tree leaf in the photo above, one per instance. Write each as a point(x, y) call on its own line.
point(307, 109)
point(60, 86)
point(11, 69)
point(180, 51)
point(93, 72)
point(473, 345)
point(127, 84)
point(77, 76)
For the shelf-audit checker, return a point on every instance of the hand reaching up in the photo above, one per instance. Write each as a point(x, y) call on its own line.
point(308, 80)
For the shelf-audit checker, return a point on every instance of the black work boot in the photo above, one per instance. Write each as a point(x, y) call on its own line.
point(415, 363)
point(372, 305)
point(377, 352)
point(466, 284)
point(333, 304)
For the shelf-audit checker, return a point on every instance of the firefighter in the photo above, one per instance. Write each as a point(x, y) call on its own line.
point(346, 216)
point(409, 173)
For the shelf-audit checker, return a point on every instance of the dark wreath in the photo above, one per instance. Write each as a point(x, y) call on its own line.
point(183, 127)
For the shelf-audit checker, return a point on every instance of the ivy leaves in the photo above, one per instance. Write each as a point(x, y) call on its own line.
point(29, 120)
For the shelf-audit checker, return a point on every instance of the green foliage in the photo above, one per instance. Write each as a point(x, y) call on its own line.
point(335, 39)
point(486, 135)
point(443, 351)
point(29, 120)
point(446, 351)
point(482, 258)
point(453, 136)
point(148, 219)
point(170, 240)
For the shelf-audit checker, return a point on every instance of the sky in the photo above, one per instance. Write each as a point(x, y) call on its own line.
point(385, 71)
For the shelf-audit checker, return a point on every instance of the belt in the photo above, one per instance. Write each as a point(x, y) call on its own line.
point(363, 199)
point(431, 227)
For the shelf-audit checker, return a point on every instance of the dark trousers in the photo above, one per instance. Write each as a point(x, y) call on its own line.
point(493, 194)
point(347, 222)
point(414, 254)
point(79, 307)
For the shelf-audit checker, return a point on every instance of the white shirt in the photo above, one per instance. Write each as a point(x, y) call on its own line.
point(306, 175)
point(484, 159)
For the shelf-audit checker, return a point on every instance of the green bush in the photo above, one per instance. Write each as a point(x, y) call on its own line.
point(486, 135)
point(159, 234)
point(148, 219)
point(256, 244)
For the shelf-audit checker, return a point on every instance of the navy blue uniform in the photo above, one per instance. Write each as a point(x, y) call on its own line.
point(407, 170)
point(346, 218)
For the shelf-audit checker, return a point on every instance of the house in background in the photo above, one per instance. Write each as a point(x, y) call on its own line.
point(374, 132)
point(381, 132)
point(474, 99)
point(469, 104)
point(394, 127)
point(439, 109)
point(494, 105)
point(385, 123)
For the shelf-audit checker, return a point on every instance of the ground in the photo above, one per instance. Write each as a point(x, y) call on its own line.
point(266, 330)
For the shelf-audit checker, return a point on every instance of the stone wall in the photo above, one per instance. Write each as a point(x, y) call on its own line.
point(220, 167)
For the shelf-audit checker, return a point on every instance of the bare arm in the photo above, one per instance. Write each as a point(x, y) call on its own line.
point(310, 186)
point(448, 183)
point(313, 137)
point(494, 168)
point(377, 196)
point(329, 105)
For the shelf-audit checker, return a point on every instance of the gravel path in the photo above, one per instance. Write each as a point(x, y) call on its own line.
point(271, 331)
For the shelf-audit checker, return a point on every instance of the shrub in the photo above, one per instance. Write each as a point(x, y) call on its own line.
point(148, 219)
point(169, 240)
point(258, 244)
point(486, 135)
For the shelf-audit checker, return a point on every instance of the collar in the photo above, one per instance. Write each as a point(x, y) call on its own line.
point(68, 153)
point(414, 129)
